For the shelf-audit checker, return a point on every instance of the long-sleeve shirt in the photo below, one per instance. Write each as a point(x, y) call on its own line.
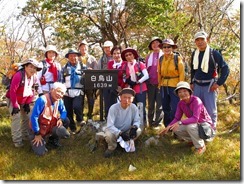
point(167, 74)
point(38, 109)
point(223, 68)
point(120, 119)
point(195, 112)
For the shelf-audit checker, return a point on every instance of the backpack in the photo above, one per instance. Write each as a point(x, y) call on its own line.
point(7, 78)
point(176, 55)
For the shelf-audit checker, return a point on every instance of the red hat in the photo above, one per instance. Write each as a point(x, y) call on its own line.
point(133, 51)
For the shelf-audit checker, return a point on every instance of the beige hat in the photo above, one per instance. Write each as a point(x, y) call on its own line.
point(51, 48)
point(83, 42)
point(168, 42)
point(201, 34)
point(182, 84)
point(59, 85)
point(108, 44)
point(153, 39)
point(33, 62)
point(127, 91)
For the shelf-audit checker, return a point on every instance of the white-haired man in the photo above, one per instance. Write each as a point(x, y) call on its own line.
point(49, 120)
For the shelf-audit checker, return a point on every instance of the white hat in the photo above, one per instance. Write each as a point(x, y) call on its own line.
point(201, 34)
point(51, 48)
point(182, 84)
point(59, 85)
point(32, 61)
point(83, 42)
point(108, 44)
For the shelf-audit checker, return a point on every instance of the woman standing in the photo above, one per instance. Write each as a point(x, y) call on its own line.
point(136, 75)
point(169, 75)
point(116, 64)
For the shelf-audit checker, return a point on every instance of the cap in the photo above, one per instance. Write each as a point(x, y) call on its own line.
point(33, 62)
point(201, 34)
point(182, 84)
point(83, 42)
point(108, 44)
point(127, 91)
point(59, 85)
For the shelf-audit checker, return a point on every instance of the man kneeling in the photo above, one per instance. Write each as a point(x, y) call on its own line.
point(45, 121)
point(123, 120)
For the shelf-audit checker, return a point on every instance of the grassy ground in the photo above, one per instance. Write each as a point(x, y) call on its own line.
point(169, 160)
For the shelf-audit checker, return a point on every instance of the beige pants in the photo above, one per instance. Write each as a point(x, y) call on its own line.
point(19, 124)
point(190, 133)
point(111, 138)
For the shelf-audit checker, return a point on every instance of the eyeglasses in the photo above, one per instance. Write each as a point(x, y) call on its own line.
point(167, 47)
point(128, 55)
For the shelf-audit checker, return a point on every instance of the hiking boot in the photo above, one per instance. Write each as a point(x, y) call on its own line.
point(81, 123)
point(108, 153)
point(54, 143)
point(200, 151)
point(18, 144)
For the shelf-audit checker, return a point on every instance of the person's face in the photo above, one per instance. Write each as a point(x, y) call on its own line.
point(57, 94)
point(155, 45)
point(126, 100)
point(184, 94)
point(83, 49)
point(107, 50)
point(30, 70)
point(117, 55)
point(129, 56)
point(167, 49)
point(201, 43)
point(73, 58)
point(51, 55)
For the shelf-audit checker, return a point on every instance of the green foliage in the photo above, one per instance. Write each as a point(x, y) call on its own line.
point(170, 160)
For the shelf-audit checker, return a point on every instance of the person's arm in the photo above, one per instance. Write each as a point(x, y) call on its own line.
point(15, 83)
point(181, 69)
point(145, 73)
point(62, 110)
point(36, 112)
point(111, 120)
point(136, 119)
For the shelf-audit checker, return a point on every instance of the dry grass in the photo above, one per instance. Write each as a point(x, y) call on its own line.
point(170, 160)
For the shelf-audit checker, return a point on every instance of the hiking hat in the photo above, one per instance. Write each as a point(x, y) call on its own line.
point(201, 34)
point(169, 42)
point(83, 42)
point(133, 51)
point(59, 85)
point(108, 44)
point(183, 84)
point(51, 48)
point(72, 51)
point(153, 39)
point(127, 91)
point(32, 61)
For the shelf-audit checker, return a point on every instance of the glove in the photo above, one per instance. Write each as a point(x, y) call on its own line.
point(15, 111)
point(26, 108)
point(133, 132)
point(130, 82)
point(125, 136)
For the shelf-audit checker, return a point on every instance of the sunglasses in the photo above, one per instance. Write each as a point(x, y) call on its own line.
point(167, 47)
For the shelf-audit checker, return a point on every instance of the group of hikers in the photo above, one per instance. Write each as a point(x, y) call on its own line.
point(158, 83)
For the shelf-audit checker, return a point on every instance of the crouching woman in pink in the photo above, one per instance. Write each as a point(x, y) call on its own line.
point(48, 119)
point(195, 112)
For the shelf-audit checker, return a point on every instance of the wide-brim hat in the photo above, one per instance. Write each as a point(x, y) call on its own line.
point(182, 84)
point(72, 51)
point(133, 51)
point(51, 48)
point(127, 91)
point(200, 34)
point(153, 39)
point(33, 62)
point(168, 42)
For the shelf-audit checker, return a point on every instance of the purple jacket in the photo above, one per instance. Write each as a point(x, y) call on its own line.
point(195, 112)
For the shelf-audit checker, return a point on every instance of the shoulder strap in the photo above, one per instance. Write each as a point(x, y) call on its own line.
point(211, 54)
point(176, 61)
point(160, 61)
point(44, 69)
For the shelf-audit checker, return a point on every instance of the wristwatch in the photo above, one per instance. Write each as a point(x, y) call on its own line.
point(180, 123)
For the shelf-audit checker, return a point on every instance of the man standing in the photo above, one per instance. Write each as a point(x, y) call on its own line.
point(91, 64)
point(123, 120)
point(45, 119)
point(73, 77)
point(208, 72)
